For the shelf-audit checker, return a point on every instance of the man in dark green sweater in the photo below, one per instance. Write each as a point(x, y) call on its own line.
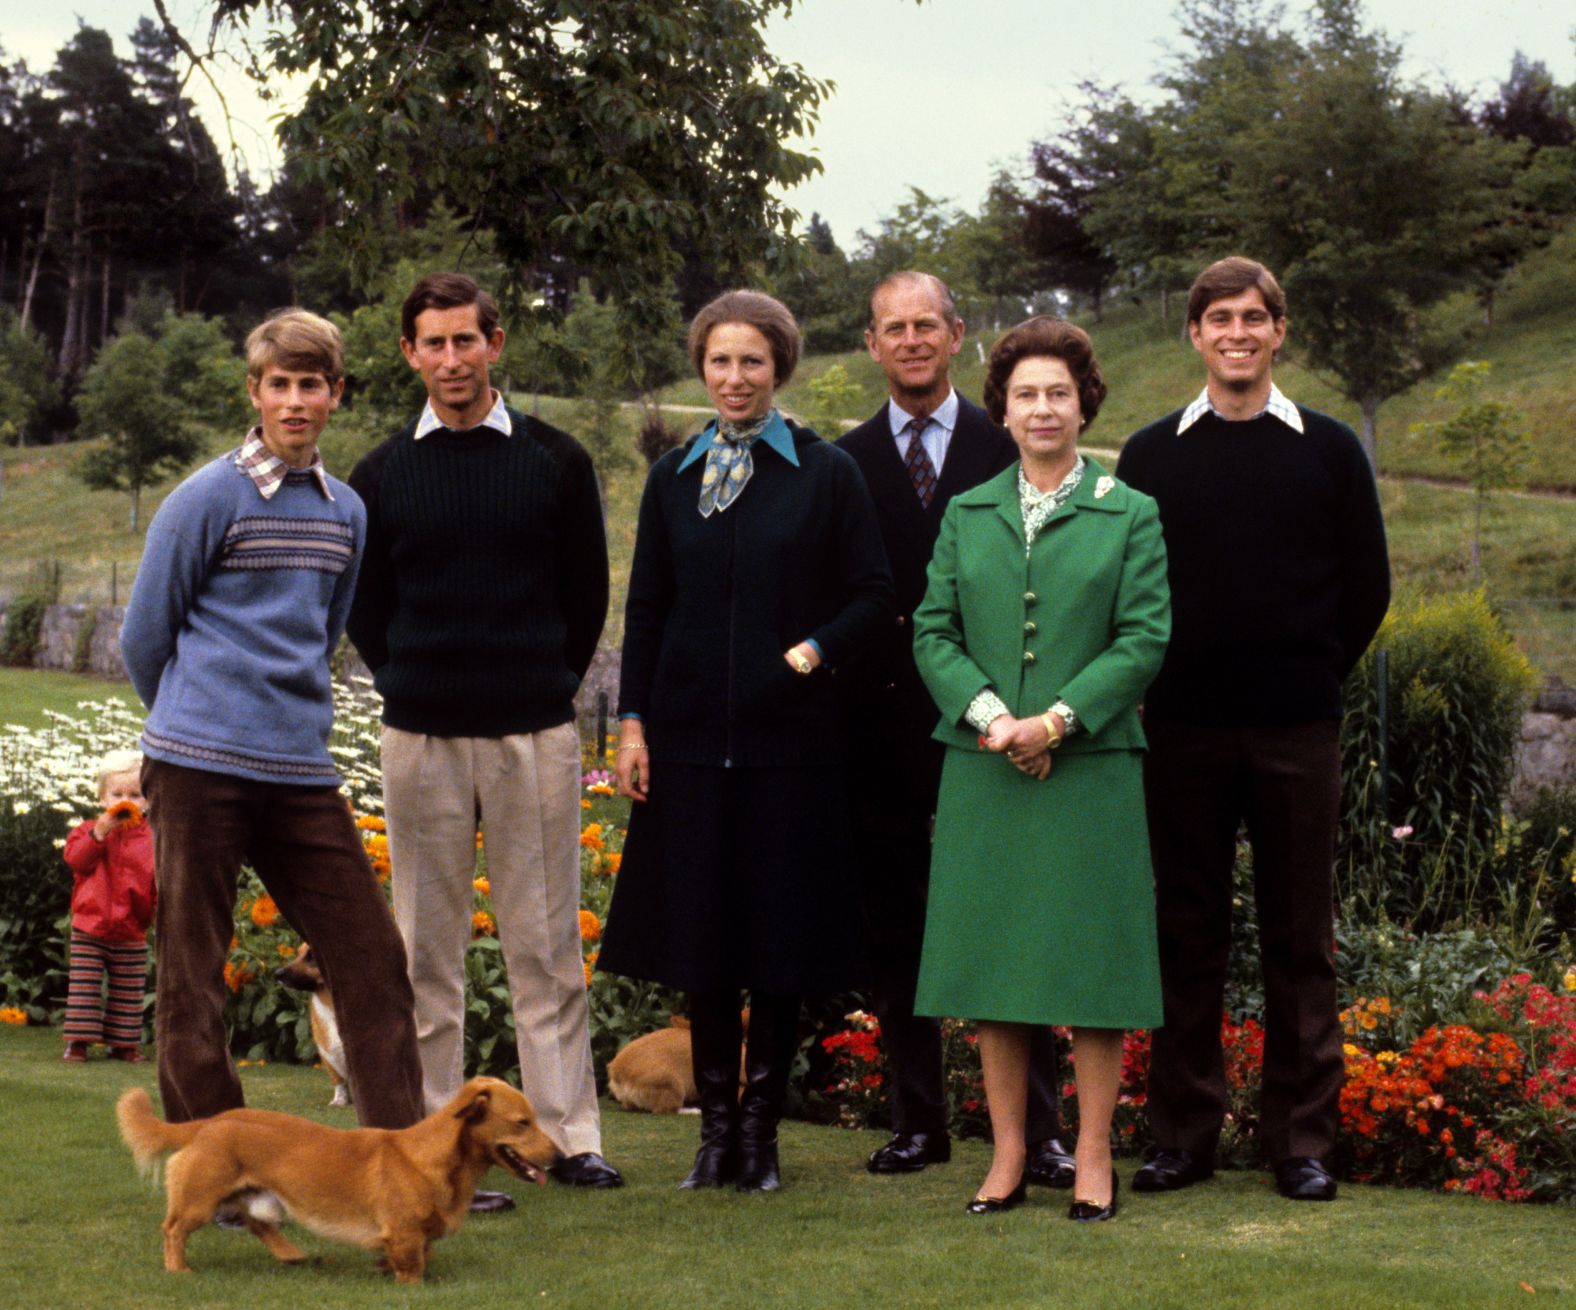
point(482, 594)
point(1279, 578)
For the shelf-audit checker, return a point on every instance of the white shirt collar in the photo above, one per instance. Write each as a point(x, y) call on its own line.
point(945, 414)
point(497, 417)
point(268, 472)
point(1277, 407)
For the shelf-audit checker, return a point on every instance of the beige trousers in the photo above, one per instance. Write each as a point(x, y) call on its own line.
point(525, 791)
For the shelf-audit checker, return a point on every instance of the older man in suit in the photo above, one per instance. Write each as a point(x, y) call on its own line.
point(925, 445)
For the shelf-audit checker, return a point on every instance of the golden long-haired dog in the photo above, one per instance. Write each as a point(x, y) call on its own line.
point(397, 1190)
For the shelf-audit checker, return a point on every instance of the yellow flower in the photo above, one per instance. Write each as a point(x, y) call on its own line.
point(11, 1015)
point(591, 838)
point(264, 911)
point(371, 823)
point(483, 924)
point(483, 886)
point(1368, 1022)
point(1569, 980)
point(584, 803)
point(590, 926)
point(1387, 1057)
point(601, 789)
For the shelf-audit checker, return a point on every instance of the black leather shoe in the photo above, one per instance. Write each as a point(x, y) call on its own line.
point(483, 1202)
point(1050, 1164)
point(1302, 1178)
point(1170, 1171)
point(588, 1169)
point(908, 1153)
point(998, 1204)
point(1092, 1212)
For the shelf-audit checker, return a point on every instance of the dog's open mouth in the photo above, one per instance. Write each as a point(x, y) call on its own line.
point(519, 1166)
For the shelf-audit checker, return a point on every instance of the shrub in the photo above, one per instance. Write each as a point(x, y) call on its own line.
point(1457, 687)
point(655, 438)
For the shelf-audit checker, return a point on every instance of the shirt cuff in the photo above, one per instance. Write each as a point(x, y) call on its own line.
point(638, 718)
point(814, 645)
point(983, 709)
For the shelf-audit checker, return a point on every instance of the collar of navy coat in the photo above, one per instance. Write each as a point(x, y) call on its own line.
point(776, 435)
point(1001, 494)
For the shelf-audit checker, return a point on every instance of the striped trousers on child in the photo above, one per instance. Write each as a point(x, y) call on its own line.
point(87, 1017)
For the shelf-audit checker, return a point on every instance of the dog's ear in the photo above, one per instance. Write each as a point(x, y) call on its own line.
point(475, 1109)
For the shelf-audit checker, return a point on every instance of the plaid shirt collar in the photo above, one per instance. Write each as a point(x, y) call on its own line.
point(497, 417)
point(268, 471)
point(1277, 407)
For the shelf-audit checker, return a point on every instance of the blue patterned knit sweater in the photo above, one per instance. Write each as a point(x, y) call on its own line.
point(238, 603)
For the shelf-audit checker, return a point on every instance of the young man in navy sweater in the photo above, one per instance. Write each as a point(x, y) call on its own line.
point(478, 610)
point(1279, 578)
point(241, 596)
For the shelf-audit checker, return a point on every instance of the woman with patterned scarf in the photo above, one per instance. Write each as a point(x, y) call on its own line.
point(758, 571)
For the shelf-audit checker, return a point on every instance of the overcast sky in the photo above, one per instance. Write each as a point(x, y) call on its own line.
point(933, 95)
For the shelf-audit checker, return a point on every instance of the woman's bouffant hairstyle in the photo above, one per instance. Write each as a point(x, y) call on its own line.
point(298, 342)
point(1230, 277)
point(1054, 338)
point(771, 318)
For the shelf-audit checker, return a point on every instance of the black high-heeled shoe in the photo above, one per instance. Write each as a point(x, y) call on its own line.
point(1091, 1212)
point(999, 1204)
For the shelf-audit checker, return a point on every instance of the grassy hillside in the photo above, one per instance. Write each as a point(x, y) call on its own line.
point(1530, 547)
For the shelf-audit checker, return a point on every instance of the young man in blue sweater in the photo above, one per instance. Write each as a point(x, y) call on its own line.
point(245, 582)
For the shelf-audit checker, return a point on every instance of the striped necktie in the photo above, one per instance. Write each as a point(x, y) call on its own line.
point(921, 472)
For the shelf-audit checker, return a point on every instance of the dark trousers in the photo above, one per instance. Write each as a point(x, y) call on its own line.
point(303, 845)
point(892, 828)
point(1284, 784)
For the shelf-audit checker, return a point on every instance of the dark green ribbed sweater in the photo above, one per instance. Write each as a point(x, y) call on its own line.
point(484, 585)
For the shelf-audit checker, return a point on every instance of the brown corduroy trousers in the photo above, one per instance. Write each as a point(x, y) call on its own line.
point(303, 845)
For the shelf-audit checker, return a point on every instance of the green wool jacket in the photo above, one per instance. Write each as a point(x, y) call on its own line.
point(1083, 617)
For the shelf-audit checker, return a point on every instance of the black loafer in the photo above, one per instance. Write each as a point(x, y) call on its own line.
point(1050, 1164)
point(1092, 1212)
point(1170, 1171)
point(998, 1204)
point(1302, 1178)
point(908, 1153)
point(588, 1169)
point(484, 1202)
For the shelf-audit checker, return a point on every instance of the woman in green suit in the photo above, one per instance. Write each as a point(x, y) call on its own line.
point(1046, 617)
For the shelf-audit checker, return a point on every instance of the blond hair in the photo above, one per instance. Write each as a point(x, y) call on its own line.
point(118, 762)
point(298, 341)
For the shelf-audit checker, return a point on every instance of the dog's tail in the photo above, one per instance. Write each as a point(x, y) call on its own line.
point(145, 1133)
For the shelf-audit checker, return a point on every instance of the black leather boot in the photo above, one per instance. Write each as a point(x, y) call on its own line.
point(773, 1039)
point(715, 1037)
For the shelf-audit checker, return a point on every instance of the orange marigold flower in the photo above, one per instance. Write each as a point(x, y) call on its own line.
point(483, 886)
point(129, 811)
point(590, 926)
point(612, 860)
point(286, 952)
point(584, 803)
point(13, 1016)
point(590, 968)
point(478, 839)
point(236, 976)
point(483, 924)
point(371, 823)
point(591, 837)
point(264, 911)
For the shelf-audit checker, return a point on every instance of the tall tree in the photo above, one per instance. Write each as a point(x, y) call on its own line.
point(1316, 194)
point(603, 132)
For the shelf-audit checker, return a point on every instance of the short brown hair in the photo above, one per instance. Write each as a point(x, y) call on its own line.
point(768, 316)
point(447, 291)
point(1044, 337)
point(1231, 277)
point(298, 341)
point(909, 276)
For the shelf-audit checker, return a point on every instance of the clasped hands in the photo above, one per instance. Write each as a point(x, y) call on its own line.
point(633, 766)
point(1026, 743)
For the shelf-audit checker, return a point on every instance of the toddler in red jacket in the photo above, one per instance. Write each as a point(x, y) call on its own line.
point(111, 908)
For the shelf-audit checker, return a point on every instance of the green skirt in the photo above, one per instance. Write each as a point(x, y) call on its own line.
point(1042, 902)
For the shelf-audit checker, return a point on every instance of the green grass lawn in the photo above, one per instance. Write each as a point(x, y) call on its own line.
point(83, 1230)
point(26, 693)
